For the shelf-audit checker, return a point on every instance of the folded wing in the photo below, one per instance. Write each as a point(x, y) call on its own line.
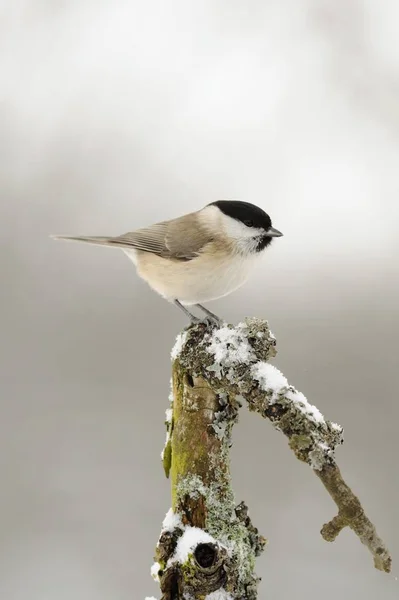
point(181, 239)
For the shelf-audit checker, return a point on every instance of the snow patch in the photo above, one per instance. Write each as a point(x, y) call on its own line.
point(179, 344)
point(219, 595)
point(171, 521)
point(230, 346)
point(304, 406)
point(336, 427)
point(273, 382)
point(187, 543)
point(156, 567)
point(270, 379)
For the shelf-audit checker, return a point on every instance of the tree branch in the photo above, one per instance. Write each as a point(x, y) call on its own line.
point(207, 543)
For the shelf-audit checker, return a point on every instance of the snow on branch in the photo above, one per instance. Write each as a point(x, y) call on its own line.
point(235, 360)
point(208, 545)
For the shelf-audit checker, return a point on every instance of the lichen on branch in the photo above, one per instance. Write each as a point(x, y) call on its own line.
point(207, 543)
point(215, 370)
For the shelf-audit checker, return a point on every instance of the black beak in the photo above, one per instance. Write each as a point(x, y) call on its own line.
point(271, 232)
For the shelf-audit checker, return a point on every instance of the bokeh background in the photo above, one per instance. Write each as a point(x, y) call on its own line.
point(114, 115)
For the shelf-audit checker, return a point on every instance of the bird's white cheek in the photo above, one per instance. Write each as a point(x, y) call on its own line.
point(238, 231)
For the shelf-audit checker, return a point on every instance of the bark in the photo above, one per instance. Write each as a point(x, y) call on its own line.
point(212, 544)
point(202, 496)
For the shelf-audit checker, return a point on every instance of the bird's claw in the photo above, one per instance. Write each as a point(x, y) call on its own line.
point(208, 321)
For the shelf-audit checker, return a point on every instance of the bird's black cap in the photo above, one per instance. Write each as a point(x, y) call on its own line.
point(247, 213)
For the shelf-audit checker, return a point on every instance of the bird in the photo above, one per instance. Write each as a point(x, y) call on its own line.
point(198, 257)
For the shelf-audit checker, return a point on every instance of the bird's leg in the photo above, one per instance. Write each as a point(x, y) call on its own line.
point(210, 319)
point(211, 315)
point(190, 315)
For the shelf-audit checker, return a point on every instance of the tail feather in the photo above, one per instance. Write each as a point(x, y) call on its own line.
point(96, 240)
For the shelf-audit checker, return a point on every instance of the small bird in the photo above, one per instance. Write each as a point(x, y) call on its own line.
point(198, 257)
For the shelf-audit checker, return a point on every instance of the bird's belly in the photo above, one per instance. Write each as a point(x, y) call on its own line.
point(195, 281)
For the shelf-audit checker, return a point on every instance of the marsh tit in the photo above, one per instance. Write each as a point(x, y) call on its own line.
point(201, 256)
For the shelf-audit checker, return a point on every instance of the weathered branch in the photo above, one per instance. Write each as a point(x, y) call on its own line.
point(351, 514)
point(207, 543)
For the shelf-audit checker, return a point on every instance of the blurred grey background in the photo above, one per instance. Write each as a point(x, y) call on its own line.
point(113, 116)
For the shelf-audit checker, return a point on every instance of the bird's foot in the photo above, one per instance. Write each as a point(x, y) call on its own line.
point(208, 321)
point(211, 320)
point(211, 317)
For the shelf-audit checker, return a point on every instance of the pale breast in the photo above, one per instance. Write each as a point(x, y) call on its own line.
point(194, 281)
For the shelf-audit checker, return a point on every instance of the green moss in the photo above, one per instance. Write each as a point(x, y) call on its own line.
point(167, 458)
point(300, 442)
point(167, 451)
point(189, 569)
point(222, 523)
point(162, 566)
point(200, 471)
point(188, 454)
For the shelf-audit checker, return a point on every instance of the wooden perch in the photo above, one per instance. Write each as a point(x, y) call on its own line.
point(208, 544)
point(191, 564)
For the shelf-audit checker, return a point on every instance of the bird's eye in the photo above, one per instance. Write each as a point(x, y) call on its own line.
point(249, 223)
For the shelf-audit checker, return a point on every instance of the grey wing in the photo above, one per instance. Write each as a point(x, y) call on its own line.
point(151, 239)
point(180, 238)
point(185, 237)
point(148, 239)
